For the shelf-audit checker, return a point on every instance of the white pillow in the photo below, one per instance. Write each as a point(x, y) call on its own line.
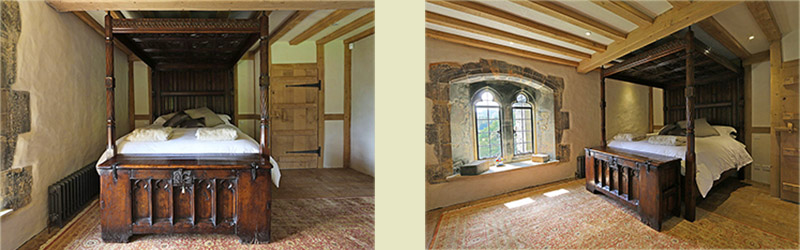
point(163, 119)
point(225, 118)
point(150, 133)
point(726, 130)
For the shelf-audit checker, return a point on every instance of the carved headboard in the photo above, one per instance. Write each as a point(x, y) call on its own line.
point(179, 90)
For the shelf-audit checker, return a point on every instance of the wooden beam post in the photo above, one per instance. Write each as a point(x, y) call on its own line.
point(109, 82)
point(347, 105)
point(748, 115)
point(131, 97)
point(264, 84)
point(776, 113)
point(690, 184)
point(321, 104)
point(603, 105)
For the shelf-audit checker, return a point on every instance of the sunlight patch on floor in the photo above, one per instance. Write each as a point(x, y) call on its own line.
point(552, 194)
point(518, 203)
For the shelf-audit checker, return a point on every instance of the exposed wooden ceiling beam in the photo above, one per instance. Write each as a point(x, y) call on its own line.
point(762, 56)
point(358, 23)
point(626, 11)
point(320, 25)
point(678, 3)
point(232, 5)
point(495, 47)
point(288, 24)
point(719, 33)
point(664, 25)
point(765, 19)
point(88, 20)
point(117, 15)
point(474, 28)
point(572, 17)
point(491, 13)
point(359, 36)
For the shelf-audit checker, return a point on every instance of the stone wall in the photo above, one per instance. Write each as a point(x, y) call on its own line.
point(15, 113)
point(450, 89)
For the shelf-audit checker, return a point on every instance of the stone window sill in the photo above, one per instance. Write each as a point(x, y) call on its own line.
point(513, 166)
point(5, 211)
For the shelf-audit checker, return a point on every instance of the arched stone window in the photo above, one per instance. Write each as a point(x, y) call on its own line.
point(523, 125)
point(488, 125)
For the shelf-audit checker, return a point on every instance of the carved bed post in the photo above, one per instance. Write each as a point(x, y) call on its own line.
point(690, 172)
point(603, 105)
point(109, 81)
point(264, 83)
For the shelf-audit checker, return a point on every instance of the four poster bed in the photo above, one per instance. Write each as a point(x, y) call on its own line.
point(184, 185)
point(646, 176)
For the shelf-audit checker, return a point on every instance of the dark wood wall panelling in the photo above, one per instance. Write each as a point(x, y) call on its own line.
point(179, 90)
point(720, 102)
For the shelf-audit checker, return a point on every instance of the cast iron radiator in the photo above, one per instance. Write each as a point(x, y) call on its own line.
point(68, 196)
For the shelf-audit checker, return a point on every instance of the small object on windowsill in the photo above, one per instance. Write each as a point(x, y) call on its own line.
point(477, 167)
point(499, 161)
point(540, 158)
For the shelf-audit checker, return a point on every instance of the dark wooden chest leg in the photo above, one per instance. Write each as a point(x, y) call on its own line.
point(254, 207)
point(115, 205)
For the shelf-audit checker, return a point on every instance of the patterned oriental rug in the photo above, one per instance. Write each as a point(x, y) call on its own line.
point(567, 216)
point(323, 223)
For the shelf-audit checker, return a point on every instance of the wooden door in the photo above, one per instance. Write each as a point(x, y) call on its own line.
point(788, 135)
point(293, 107)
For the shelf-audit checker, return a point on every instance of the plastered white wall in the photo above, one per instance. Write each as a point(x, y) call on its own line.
point(334, 104)
point(627, 108)
point(362, 129)
point(789, 44)
point(658, 106)
point(305, 52)
point(580, 99)
point(62, 65)
point(141, 88)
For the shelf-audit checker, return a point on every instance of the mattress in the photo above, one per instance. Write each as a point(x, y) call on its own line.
point(714, 155)
point(184, 141)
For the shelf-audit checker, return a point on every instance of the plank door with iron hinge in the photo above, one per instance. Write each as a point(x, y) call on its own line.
point(293, 107)
point(788, 134)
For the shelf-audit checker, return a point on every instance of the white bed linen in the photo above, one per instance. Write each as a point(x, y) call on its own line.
point(184, 141)
point(714, 155)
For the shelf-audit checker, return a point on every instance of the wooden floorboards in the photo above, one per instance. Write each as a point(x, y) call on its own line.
point(295, 184)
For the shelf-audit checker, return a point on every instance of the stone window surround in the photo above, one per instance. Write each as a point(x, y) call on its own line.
point(439, 164)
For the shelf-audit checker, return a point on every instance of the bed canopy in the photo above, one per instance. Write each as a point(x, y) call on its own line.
point(696, 83)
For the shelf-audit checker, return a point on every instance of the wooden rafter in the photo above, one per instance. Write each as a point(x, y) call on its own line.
point(232, 5)
point(117, 15)
point(664, 25)
point(719, 33)
point(288, 24)
point(494, 14)
point(678, 3)
point(765, 19)
point(320, 25)
point(454, 23)
point(435, 34)
point(762, 56)
point(626, 11)
point(83, 16)
point(555, 10)
point(358, 23)
point(359, 36)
